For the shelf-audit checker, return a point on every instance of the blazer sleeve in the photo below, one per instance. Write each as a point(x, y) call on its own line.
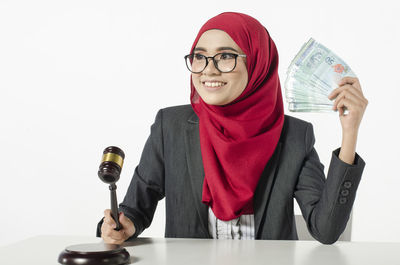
point(147, 184)
point(326, 203)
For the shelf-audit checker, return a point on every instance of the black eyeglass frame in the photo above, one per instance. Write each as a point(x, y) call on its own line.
point(214, 61)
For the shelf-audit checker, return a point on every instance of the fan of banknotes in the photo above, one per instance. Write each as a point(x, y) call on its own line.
point(312, 75)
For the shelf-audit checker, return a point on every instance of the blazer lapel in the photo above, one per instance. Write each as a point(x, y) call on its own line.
point(195, 168)
point(263, 190)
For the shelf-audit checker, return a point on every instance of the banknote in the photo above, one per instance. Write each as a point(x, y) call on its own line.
point(305, 107)
point(311, 76)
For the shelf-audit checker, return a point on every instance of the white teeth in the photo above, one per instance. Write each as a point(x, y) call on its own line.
point(213, 84)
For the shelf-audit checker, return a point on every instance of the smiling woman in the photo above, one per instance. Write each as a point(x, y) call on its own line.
point(230, 163)
point(222, 81)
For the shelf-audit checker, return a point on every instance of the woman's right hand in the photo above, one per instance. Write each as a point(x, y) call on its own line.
point(112, 236)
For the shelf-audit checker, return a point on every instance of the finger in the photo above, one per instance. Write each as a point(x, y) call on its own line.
point(103, 228)
point(353, 89)
point(125, 221)
point(108, 232)
point(337, 91)
point(342, 104)
point(129, 228)
point(334, 94)
point(347, 103)
point(110, 223)
point(108, 219)
point(113, 241)
point(107, 213)
point(358, 93)
point(350, 80)
point(351, 94)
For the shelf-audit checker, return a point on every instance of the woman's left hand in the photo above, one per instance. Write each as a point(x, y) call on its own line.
point(350, 96)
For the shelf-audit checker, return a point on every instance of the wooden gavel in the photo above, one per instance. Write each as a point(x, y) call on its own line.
point(102, 253)
point(109, 172)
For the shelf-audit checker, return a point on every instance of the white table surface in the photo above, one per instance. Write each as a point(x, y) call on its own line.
point(44, 250)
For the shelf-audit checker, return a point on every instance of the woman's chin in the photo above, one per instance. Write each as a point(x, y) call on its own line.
point(218, 97)
point(215, 101)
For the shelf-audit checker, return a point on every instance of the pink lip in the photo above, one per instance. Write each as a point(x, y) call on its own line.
point(212, 80)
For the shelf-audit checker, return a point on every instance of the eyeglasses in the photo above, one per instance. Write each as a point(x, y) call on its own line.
point(225, 62)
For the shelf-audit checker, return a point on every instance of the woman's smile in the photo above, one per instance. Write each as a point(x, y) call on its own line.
point(213, 85)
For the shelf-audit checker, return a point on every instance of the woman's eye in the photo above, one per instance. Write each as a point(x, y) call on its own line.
point(197, 56)
point(227, 56)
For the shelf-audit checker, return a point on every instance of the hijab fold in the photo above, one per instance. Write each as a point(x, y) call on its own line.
point(238, 139)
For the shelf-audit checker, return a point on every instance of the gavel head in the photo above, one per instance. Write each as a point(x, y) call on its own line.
point(111, 164)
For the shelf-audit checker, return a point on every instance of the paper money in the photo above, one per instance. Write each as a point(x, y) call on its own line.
point(311, 76)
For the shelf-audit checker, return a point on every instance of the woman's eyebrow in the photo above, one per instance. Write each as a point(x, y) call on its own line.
point(218, 49)
point(227, 48)
point(199, 49)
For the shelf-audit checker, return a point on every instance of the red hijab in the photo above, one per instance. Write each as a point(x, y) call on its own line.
point(237, 140)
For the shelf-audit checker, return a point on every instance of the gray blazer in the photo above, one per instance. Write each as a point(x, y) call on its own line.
point(171, 166)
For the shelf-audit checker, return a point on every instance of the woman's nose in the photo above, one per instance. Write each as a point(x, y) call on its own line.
point(210, 68)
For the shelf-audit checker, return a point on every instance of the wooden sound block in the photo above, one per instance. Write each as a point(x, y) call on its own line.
point(94, 254)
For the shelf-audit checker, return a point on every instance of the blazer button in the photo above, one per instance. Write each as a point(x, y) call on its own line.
point(342, 200)
point(344, 192)
point(347, 184)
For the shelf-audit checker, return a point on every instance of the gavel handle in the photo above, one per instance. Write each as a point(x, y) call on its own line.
point(114, 206)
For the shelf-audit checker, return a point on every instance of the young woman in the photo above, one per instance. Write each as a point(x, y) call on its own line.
point(230, 163)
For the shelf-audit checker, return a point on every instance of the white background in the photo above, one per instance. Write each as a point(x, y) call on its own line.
point(78, 76)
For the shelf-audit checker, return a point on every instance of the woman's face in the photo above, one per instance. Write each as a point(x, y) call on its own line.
point(214, 87)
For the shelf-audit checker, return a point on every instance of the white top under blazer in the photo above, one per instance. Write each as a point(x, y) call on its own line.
point(238, 228)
